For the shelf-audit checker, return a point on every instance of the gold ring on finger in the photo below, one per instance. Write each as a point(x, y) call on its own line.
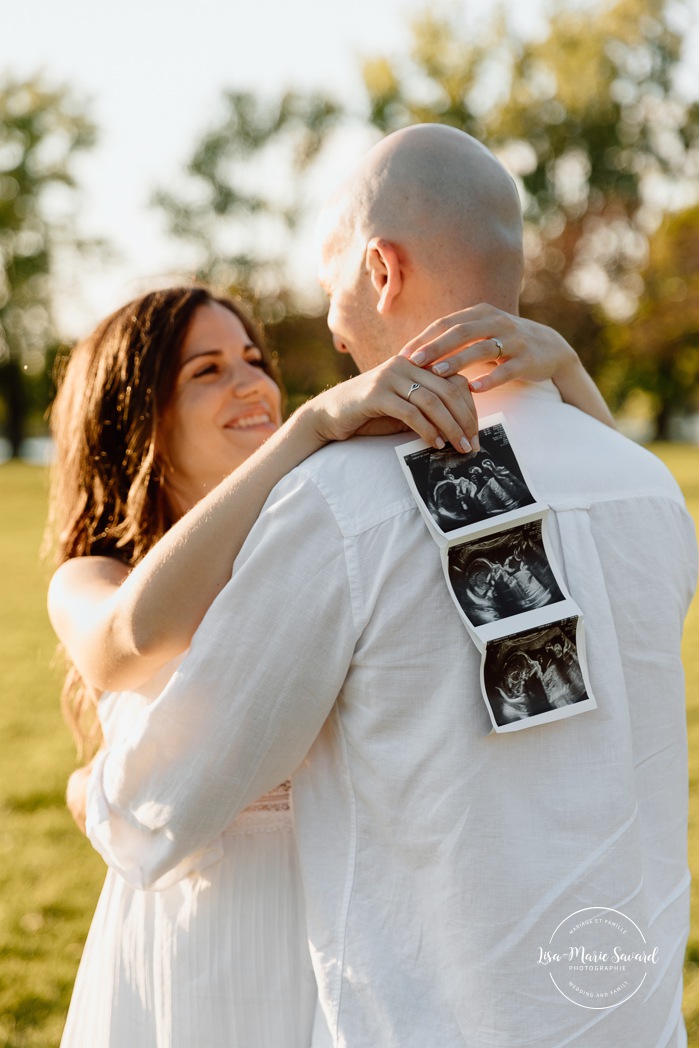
point(498, 343)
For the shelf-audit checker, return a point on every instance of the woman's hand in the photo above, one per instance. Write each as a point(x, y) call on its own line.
point(529, 351)
point(514, 347)
point(394, 397)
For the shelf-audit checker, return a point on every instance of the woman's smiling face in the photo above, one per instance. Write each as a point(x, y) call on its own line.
point(223, 407)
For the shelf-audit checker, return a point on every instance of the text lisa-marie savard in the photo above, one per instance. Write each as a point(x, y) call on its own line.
point(613, 960)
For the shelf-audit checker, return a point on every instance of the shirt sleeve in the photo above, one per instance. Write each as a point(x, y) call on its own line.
point(238, 717)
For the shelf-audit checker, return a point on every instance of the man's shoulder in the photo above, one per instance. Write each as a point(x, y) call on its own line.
point(568, 456)
point(567, 453)
point(361, 480)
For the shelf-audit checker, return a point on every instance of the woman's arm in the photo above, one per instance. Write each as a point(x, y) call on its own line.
point(530, 351)
point(119, 627)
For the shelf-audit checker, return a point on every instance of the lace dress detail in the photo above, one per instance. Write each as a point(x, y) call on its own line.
point(268, 813)
point(278, 799)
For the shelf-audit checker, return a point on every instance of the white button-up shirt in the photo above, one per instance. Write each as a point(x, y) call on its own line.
point(437, 857)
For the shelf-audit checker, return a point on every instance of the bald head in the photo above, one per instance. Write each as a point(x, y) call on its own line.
point(447, 201)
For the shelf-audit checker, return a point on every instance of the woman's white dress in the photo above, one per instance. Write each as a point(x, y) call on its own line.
point(216, 959)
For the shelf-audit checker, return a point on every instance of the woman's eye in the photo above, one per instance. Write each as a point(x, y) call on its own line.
point(257, 362)
point(210, 369)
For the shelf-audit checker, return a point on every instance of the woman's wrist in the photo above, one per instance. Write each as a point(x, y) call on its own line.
point(579, 390)
point(570, 367)
point(309, 426)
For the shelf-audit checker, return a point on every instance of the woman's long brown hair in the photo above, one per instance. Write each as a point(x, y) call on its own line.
point(108, 490)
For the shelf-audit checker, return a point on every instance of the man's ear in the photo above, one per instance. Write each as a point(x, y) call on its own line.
point(382, 263)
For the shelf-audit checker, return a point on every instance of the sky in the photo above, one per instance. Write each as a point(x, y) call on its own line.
point(152, 73)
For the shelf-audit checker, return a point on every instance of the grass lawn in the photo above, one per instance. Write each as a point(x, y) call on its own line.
point(49, 875)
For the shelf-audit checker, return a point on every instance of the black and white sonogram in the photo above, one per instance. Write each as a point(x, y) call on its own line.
point(460, 490)
point(536, 672)
point(504, 574)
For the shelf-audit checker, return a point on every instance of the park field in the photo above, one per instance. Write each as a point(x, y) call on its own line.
point(49, 875)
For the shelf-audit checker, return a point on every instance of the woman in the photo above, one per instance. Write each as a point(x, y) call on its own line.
point(168, 444)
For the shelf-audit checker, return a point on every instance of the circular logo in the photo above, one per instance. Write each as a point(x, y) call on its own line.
point(598, 958)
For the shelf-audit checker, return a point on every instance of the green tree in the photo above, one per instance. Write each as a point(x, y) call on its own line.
point(659, 352)
point(586, 115)
point(41, 129)
point(244, 189)
point(225, 213)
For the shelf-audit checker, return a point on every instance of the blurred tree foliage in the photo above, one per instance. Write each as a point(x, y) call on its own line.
point(586, 116)
point(41, 128)
point(224, 206)
point(589, 120)
point(224, 203)
point(309, 362)
point(659, 352)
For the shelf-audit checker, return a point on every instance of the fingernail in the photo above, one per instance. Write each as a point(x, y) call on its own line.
point(419, 357)
point(476, 444)
point(441, 369)
point(476, 384)
point(439, 443)
point(465, 444)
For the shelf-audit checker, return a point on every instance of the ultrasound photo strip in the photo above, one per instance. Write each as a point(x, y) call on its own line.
point(459, 494)
point(537, 676)
point(483, 513)
point(506, 579)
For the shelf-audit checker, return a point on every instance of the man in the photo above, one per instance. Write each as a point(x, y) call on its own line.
point(439, 860)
